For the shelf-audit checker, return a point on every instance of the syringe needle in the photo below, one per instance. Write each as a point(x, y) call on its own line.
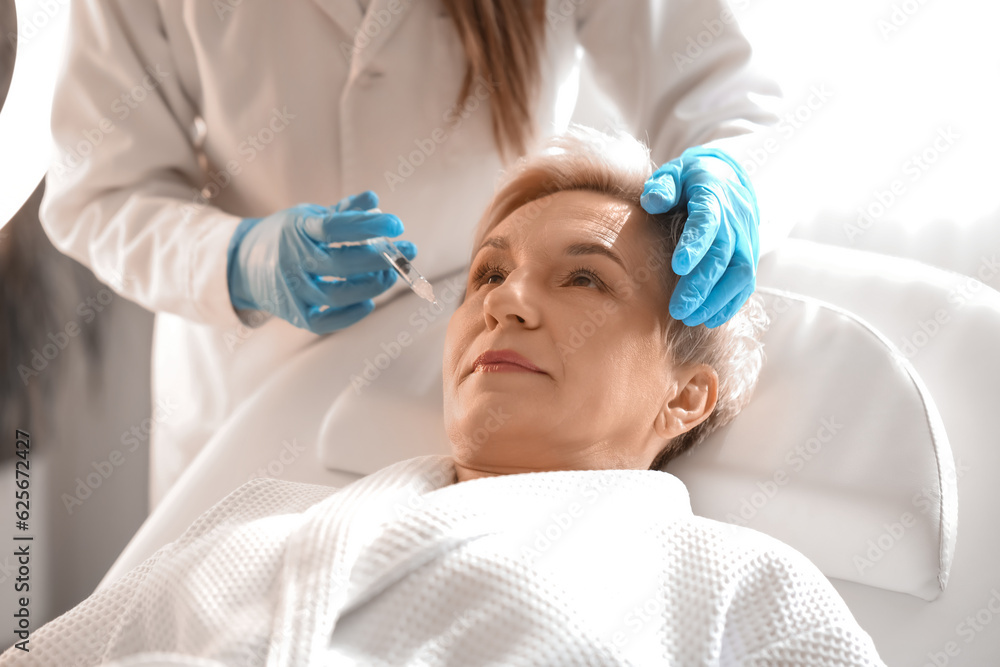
point(403, 267)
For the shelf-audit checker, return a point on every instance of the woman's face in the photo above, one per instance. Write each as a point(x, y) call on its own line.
point(565, 302)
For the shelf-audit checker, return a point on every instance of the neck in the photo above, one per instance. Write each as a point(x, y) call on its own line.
point(465, 473)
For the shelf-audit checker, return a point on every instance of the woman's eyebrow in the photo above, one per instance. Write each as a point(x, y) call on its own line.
point(498, 242)
point(574, 249)
point(594, 249)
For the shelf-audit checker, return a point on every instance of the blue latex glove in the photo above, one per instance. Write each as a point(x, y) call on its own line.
point(275, 263)
point(718, 250)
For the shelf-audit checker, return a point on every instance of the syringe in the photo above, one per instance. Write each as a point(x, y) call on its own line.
point(403, 267)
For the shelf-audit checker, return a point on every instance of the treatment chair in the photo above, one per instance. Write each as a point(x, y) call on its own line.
point(869, 444)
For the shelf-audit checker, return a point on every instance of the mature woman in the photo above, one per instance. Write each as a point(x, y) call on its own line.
point(548, 540)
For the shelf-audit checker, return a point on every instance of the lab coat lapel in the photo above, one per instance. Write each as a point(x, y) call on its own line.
point(345, 13)
point(382, 19)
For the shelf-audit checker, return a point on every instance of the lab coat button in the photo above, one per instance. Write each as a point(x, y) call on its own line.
point(369, 76)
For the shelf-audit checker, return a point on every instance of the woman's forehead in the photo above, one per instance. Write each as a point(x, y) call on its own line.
point(573, 216)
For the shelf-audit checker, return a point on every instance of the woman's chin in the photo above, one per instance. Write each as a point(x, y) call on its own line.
point(522, 380)
point(515, 392)
point(504, 415)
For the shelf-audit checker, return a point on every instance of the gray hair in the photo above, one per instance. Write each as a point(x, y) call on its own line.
point(618, 166)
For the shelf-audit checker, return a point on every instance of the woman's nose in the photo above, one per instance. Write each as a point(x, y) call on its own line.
point(514, 302)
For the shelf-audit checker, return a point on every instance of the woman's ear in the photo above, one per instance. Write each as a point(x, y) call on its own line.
point(691, 401)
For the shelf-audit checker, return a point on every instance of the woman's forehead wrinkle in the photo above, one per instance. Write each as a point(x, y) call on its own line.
point(605, 222)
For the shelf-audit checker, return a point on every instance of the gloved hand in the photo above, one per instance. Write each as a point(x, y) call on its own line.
point(718, 250)
point(275, 263)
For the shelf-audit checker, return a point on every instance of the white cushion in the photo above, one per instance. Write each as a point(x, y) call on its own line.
point(948, 326)
point(841, 454)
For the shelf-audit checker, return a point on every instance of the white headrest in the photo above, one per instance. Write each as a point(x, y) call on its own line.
point(840, 454)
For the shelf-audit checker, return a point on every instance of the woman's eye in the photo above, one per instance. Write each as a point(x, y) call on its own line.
point(584, 278)
point(485, 275)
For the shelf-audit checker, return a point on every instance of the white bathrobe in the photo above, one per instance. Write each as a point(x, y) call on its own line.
point(405, 567)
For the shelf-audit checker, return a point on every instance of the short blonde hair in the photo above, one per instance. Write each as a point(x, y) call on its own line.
point(618, 166)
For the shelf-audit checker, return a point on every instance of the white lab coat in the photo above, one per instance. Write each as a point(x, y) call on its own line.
point(309, 101)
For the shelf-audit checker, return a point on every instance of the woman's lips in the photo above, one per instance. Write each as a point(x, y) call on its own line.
point(503, 361)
